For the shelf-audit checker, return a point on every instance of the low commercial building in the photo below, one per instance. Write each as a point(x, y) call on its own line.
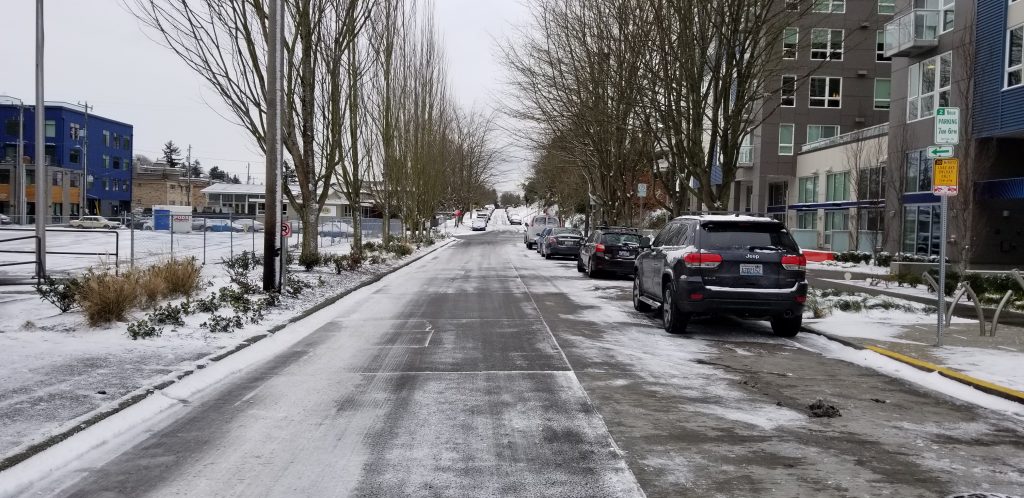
point(162, 185)
point(251, 200)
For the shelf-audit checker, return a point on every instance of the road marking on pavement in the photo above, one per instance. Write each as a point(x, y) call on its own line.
point(981, 385)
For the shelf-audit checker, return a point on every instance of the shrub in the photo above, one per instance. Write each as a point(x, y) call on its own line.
point(143, 329)
point(401, 250)
point(428, 241)
point(883, 259)
point(106, 297)
point(908, 279)
point(218, 323)
point(168, 314)
point(370, 246)
point(60, 292)
point(295, 287)
point(354, 261)
point(309, 261)
point(209, 304)
point(341, 262)
point(182, 277)
point(377, 259)
point(239, 269)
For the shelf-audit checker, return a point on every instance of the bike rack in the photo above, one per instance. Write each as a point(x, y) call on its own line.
point(1006, 300)
point(965, 288)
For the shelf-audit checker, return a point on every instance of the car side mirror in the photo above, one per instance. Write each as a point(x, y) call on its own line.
point(645, 243)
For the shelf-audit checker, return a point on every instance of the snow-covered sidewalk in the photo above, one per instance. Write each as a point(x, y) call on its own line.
point(57, 371)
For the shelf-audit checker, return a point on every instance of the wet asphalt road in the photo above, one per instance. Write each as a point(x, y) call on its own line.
point(484, 370)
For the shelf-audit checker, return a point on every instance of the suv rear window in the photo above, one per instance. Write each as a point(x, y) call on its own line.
point(719, 236)
point(564, 231)
point(618, 239)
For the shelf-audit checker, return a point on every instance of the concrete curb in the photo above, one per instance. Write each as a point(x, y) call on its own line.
point(981, 385)
point(89, 419)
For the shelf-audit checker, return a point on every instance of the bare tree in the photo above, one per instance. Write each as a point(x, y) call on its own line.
point(864, 159)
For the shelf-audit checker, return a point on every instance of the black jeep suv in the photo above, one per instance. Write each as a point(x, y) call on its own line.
point(731, 264)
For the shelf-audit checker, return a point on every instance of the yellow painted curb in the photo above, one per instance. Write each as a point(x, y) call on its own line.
point(981, 385)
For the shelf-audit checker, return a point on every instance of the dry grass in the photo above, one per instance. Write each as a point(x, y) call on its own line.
point(152, 288)
point(105, 297)
point(181, 277)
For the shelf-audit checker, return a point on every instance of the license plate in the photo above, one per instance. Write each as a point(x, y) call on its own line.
point(752, 270)
point(626, 254)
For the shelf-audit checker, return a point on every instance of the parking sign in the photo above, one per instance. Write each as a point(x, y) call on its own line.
point(945, 177)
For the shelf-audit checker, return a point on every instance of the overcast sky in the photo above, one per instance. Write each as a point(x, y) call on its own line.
point(96, 52)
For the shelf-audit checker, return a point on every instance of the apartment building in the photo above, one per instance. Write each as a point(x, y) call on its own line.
point(965, 54)
point(161, 185)
point(835, 79)
point(84, 178)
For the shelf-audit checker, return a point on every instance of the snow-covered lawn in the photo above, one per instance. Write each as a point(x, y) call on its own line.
point(56, 369)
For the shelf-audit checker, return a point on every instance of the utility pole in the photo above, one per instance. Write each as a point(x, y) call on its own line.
point(273, 267)
point(248, 177)
point(188, 173)
point(85, 164)
point(42, 206)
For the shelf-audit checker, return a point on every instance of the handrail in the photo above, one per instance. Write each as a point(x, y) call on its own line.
point(117, 244)
point(37, 261)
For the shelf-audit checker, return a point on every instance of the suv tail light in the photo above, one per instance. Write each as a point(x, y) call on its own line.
point(798, 262)
point(599, 248)
point(702, 260)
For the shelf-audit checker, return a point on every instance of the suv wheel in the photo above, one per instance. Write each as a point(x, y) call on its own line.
point(786, 327)
point(675, 321)
point(591, 272)
point(579, 265)
point(637, 303)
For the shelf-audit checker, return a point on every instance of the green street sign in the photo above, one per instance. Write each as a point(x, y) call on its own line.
point(939, 151)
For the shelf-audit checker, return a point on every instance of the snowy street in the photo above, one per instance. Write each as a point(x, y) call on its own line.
point(485, 370)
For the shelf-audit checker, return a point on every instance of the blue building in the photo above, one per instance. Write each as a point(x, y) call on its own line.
point(86, 175)
point(967, 54)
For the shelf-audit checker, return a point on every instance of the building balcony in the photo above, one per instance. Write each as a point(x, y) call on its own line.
point(912, 33)
point(845, 138)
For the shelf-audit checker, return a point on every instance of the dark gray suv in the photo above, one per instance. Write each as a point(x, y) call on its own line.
point(729, 264)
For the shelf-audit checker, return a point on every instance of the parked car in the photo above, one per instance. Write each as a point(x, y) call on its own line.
point(94, 222)
point(535, 226)
point(515, 219)
point(561, 242)
point(536, 240)
point(732, 264)
point(334, 229)
point(213, 225)
point(139, 222)
point(198, 224)
point(250, 225)
point(4, 219)
point(478, 225)
point(609, 250)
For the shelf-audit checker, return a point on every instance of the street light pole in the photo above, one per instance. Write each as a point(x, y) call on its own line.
point(42, 206)
point(85, 165)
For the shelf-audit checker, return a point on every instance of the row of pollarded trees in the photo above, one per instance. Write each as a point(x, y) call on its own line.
point(605, 86)
point(367, 102)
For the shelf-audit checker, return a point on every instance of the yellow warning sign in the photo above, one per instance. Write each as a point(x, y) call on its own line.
point(945, 177)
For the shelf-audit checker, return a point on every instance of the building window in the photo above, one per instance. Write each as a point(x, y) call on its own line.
point(777, 194)
point(788, 90)
point(883, 92)
point(786, 139)
point(837, 220)
point(117, 163)
point(929, 86)
point(821, 132)
point(871, 220)
point(10, 153)
point(948, 9)
point(746, 150)
point(1015, 57)
point(807, 220)
point(880, 47)
point(76, 180)
point(30, 177)
point(826, 91)
point(790, 42)
point(920, 235)
point(58, 179)
point(117, 141)
point(826, 44)
point(106, 161)
point(808, 192)
point(918, 174)
point(51, 153)
point(125, 185)
point(870, 183)
point(829, 6)
point(887, 7)
point(13, 126)
point(106, 138)
point(75, 156)
point(5, 177)
point(837, 187)
point(51, 128)
point(127, 142)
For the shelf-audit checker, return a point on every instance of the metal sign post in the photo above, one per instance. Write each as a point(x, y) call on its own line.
point(945, 176)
